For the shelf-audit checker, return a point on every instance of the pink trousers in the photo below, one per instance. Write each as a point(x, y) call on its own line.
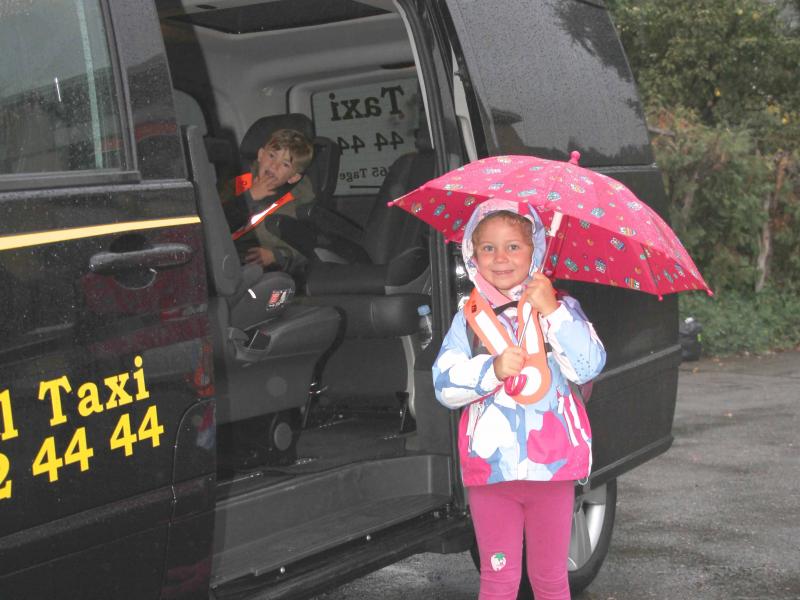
point(500, 514)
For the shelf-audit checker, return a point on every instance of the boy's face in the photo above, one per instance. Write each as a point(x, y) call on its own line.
point(503, 253)
point(275, 166)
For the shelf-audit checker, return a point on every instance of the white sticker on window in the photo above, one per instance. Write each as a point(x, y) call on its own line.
point(373, 124)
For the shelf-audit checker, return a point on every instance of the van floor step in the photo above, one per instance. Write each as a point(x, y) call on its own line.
point(437, 532)
point(272, 552)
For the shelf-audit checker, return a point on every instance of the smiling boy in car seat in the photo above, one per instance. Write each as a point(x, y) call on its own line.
point(279, 166)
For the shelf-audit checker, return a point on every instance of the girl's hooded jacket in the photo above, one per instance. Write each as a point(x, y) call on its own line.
point(499, 439)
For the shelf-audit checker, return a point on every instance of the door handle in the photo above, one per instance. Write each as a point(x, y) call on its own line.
point(157, 257)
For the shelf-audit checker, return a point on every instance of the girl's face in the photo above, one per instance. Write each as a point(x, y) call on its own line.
point(503, 253)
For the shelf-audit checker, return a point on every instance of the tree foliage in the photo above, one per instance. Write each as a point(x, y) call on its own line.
point(719, 81)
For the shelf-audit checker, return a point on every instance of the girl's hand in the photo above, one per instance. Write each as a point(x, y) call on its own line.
point(510, 362)
point(540, 294)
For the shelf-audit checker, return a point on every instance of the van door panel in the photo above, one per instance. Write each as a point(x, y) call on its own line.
point(551, 77)
point(97, 374)
point(143, 62)
point(101, 368)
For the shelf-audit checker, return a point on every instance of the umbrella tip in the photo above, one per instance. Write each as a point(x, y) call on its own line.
point(574, 157)
point(390, 203)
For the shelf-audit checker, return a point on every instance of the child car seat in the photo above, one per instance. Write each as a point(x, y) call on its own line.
point(323, 171)
point(266, 347)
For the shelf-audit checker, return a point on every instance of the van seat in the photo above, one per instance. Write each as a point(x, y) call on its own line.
point(379, 300)
point(268, 347)
point(396, 243)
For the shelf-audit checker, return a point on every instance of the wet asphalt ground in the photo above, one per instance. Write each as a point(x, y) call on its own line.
point(715, 518)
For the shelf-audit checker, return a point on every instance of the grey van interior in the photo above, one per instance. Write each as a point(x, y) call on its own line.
point(325, 429)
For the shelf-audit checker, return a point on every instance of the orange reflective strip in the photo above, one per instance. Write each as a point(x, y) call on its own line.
point(256, 219)
point(483, 321)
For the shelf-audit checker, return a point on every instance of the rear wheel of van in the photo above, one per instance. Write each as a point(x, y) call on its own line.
point(592, 524)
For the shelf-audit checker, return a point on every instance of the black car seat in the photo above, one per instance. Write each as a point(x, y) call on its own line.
point(393, 250)
point(266, 346)
point(319, 182)
point(379, 299)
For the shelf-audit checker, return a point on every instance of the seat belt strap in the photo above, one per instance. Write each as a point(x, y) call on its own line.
point(256, 219)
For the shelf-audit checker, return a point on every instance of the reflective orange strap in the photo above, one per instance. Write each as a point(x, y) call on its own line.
point(494, 336)
point(493, 339)
point(256, 219)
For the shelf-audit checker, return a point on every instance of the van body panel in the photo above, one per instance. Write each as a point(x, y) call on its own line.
point(99, 351)
point(104, 299)
point(579, 93)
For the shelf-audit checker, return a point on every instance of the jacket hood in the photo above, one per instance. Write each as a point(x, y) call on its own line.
point(488, 291)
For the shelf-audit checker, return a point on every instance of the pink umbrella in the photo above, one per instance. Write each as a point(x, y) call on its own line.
point(603, 233)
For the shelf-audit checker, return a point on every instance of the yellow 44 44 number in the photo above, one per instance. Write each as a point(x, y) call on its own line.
point(48, 462)
point(149, 429)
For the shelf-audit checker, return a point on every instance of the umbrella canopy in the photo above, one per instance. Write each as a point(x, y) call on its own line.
point(604, 235)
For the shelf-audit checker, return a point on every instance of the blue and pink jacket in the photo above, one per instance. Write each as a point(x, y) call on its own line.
point(498, 438)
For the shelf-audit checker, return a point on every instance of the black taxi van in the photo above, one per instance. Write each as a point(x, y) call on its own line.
point(176, 425)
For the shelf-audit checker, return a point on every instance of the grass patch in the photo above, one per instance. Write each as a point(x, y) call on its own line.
point(736, 322)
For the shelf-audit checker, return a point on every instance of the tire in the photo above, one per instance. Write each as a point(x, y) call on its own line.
point(592, 525)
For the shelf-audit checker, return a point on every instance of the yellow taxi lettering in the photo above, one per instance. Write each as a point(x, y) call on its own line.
point(52, 389)
point(89, 400)
point(138, 375)
point(150, 429)
point(78, 450)
point(7, 431)
point(47, 460)
point(5, 484)
point(118, 395)
point(122, 436)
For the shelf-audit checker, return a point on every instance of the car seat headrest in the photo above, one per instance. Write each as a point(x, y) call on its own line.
point(324, 168)
point(260, 131)
point(422, 137)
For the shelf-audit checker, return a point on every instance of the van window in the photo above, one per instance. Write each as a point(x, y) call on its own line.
point(58, 105)
point(571, 89)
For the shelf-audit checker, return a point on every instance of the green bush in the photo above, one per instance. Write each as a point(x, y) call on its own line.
point(738, 322)
point(718, 80)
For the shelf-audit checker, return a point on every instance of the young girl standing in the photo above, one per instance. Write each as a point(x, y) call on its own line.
point(524, 439)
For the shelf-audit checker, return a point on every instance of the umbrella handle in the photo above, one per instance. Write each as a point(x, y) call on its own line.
point(555, 224)
point(514, 385)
